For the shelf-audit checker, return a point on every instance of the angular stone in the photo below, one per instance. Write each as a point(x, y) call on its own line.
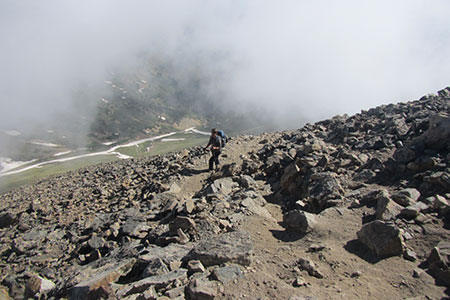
point(406, 197)
point(410, 212)
point(223, 186)
point(171, 253)
point(247, 181)
point(157, 281)
point(7, 219)
point(176, 293)
point(233, 247)
point(251, 205)
point(189, 206)
point(180, 222)
point(227, 273)
point(301, 221)
point(439, 262)
point(195, 266)
point(96, 242)
point(383, 239)
point(410, 255)
point(437, 202)
point(386, 208)
point(155, 267)
point(438, 134)
point(310, 267)
point(289, 175)
point(200, 289)
point(135, 228)
point(38, 285)
point(84, 289)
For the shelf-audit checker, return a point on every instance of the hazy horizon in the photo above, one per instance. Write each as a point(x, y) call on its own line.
point(301, 61)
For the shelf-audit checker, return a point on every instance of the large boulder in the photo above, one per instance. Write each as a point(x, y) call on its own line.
point(301, 221)
point(88, 288)
point(382, 238)
point(438, 134)
point(439, 262)
point(234, 247)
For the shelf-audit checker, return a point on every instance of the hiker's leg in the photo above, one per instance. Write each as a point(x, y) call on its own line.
point(211, 162)
point(216, 158)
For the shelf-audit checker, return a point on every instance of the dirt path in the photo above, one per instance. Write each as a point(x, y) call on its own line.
point(275, 272)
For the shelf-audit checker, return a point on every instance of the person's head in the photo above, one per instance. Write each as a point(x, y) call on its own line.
point(213, 131)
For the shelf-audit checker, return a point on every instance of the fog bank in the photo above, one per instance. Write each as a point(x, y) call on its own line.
point(300, 60)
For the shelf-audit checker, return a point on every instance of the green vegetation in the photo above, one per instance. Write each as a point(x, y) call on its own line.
point(161, 147)
point(10, 182)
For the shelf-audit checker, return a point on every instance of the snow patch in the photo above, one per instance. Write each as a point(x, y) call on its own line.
point(62, 153)
point(12, 132)
point(44, 144)
point(172, 140)
point(7, 164)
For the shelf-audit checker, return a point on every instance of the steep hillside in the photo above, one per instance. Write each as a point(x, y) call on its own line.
point(348, 208)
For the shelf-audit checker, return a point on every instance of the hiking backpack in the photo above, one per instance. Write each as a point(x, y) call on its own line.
point(223, 137)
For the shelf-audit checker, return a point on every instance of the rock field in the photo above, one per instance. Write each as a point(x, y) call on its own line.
point(354, 207)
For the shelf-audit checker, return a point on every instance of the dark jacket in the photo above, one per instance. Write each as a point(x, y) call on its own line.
point(215, 141)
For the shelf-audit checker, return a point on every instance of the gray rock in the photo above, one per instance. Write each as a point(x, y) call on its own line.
point(96, 242)
point(247, 181)
point(410, 212)
point(437, 202)
point(195, 266)
point(406, 197)
point(386, 208)
point(227, 273)
point(155, 267)
point(201, 289)
point(85, 289)
point(38, 286)
point(157, 281)
point(404, 155)
point(176, 293)
point(301, 221)
point(256, 209)
point(180, 222)
point(410, 255)
point(135, 228)
point(289, 175)
point(170, 253)
point(233, 247)
point(7, 219)
point(310, 267)
point(438, 134)
point(439, 262)
point(221, 186)
point(383, 239)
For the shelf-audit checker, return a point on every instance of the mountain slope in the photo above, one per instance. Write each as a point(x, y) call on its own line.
point(289, 215)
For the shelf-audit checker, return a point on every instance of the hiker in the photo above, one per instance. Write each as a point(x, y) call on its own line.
point(216, 146)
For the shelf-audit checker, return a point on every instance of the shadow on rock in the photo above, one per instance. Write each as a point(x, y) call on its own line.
point(355, 247)
point(190, 172)
point(287, 235)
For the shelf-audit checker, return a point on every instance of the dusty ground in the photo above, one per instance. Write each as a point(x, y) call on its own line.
point(348, 272)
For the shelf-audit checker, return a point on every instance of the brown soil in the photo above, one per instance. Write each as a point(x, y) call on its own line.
point(348, 271)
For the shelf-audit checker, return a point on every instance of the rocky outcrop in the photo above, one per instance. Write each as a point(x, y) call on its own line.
point(128, 230)
point(382, 238)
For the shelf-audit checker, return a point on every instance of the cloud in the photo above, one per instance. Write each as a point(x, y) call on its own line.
point(300, 60)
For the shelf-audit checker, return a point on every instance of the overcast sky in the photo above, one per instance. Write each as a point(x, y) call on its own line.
point(301, 59)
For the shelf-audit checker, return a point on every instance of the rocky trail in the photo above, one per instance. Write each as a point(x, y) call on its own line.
point(348, 208)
